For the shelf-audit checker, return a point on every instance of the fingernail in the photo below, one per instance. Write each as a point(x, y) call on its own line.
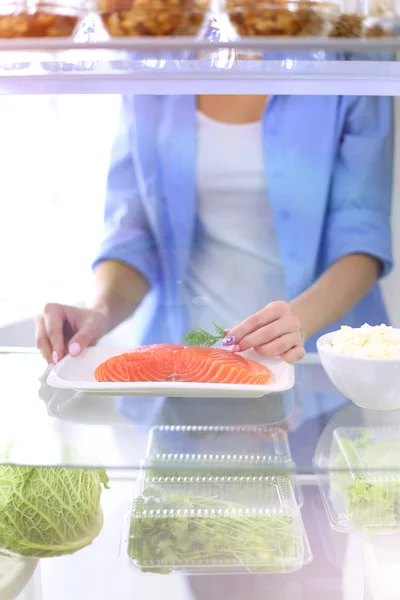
point(235, 348)
point(55, 357)
point(229, 340)
point(74, 349)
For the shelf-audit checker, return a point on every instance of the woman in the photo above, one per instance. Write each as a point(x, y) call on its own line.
point(223, 205)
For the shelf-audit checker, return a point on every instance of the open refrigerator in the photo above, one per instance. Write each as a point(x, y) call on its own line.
point(222, 49)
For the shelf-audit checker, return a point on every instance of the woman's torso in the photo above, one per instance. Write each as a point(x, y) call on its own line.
point(235, 266)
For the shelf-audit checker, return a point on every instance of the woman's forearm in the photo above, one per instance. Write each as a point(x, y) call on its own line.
point(119, 290)
point(338, 289)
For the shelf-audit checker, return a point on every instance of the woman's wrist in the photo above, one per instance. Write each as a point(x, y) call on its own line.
point(103, 308)
point(300, 310)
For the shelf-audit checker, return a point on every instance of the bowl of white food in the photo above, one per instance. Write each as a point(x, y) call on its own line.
point(364, 364)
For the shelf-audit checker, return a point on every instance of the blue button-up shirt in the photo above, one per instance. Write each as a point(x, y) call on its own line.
point(328, 163)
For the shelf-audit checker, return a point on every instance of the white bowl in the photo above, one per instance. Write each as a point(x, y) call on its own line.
point(372, 383)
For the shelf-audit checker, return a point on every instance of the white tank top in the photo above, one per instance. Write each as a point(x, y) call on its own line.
point(235, 267)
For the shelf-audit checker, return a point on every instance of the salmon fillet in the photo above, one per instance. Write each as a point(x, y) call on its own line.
point(163, 362)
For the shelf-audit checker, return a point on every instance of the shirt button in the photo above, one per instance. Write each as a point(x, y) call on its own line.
point(284, 214)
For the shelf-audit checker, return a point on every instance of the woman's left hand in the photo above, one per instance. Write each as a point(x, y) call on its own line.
point(273, 331)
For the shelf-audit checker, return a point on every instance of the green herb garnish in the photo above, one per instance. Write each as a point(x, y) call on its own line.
point(257, 543)
point(372, 498)
point(214, 540)
point(200, 337)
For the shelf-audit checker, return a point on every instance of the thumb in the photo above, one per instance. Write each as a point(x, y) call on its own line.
point(85, 336)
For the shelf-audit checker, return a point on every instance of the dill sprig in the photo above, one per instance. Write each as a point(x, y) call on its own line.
point(200, 337)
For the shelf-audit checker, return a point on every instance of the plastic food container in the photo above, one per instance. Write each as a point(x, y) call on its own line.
point(26, 19)
point(14, 576)
point(202, 450)
point(364, 18)
point(361, 485)
point(280, 17)
point(215, 525)
point(142, 18)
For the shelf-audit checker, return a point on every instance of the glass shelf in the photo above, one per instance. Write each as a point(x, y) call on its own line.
point(185, 66)
point(43, 427)
point(295, 432)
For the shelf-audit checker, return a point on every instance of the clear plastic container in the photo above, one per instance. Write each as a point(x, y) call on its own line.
point(215, 525)
point(281, 17)
point(177, 450)
point(33, 19)
point(364, 18)
point(143, 18)
point(380, 19)
point(360, 478)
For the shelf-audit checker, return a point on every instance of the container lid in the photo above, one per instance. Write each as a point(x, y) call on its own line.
point(369, 453)
point(263, 447)
point(220, 450)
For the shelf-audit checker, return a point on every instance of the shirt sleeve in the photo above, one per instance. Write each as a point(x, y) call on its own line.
point(128, 237)
point(359, 210)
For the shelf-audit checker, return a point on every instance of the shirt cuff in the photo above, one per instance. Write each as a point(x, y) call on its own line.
point(358, 230)
point(145, 261)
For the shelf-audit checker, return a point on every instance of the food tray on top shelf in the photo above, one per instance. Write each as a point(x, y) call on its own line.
point(76, 373)
point(362, 489)
point(220, 450)
point(215, 524)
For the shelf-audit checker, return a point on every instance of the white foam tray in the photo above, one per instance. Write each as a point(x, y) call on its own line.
point(77, 374)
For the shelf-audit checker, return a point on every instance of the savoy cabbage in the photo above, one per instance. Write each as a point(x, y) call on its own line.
point(49, 511)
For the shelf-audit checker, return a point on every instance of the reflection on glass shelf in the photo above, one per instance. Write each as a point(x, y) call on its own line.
point(179, 66)
point(95, 434)
point(28, 435)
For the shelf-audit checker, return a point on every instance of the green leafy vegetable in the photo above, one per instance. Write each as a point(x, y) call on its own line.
point(200, 337)
point(212, 533)
point(372, 497)
point(49, 511)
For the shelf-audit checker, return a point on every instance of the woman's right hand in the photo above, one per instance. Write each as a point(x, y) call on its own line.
point(63, 329)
